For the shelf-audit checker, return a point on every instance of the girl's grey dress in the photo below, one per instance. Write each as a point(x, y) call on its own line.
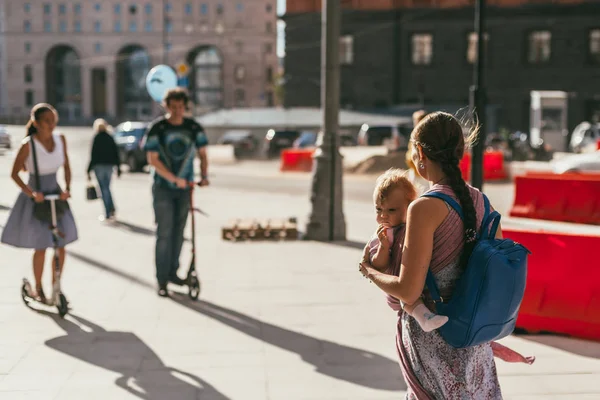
point(22, 228)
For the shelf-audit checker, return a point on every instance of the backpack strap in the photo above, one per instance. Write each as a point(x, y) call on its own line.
point(487, 218)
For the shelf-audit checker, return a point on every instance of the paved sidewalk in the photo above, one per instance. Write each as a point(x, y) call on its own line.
point(290, 320)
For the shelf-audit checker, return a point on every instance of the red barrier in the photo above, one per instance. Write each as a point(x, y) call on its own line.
point(566, 198)
point(493, 166)
point(297, 160)
point(598, 145)
point(563, 283)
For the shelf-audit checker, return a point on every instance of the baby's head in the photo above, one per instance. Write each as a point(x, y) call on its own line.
point(393, 193)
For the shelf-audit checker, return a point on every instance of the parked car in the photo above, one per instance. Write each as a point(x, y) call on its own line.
point(394, 137)
point(128, 137)
point(5, 141)
point(578, 163)
point(277, 140)
point(245, 145)
point(585, 138)
point(306, 139)
point(311, 139)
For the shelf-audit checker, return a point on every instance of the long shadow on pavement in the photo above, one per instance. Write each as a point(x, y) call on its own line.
point(354, 365)
point(5, 208)
point(347, 363)
point(125, 353)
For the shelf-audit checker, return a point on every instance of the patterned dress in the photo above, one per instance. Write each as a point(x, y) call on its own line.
point(432, 368)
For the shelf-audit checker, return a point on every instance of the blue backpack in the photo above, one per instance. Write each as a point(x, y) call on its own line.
point(487, 296)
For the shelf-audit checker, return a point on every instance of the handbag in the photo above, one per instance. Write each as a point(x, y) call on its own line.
point(42, 211)
point(90, 192)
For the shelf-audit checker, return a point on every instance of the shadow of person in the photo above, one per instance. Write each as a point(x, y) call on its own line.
point(134, 228)
point(346, 363)
point(143, 373)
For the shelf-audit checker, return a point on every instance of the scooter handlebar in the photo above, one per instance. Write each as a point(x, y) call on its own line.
point(52, 197)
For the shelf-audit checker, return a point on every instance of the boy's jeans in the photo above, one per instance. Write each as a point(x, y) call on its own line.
point(171, 207)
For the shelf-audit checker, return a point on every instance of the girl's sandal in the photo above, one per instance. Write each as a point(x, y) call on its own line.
point(41, 297)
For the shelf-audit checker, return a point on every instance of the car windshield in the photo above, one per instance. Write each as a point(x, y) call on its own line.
point(234, 135)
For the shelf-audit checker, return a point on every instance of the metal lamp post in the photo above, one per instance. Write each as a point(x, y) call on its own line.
point(326, 221)
point(478, 99)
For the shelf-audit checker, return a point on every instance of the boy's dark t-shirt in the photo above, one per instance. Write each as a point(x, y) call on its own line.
point(176, 145)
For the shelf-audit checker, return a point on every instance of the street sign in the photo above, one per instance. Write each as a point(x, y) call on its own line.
point(182, 69)
point(183, 82)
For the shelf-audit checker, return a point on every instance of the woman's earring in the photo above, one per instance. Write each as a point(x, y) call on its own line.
point(421, 165)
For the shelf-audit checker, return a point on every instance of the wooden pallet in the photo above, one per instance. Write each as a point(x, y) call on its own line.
point(260, 229)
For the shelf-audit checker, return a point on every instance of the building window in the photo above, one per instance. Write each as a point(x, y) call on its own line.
point(62, 26)
point(240, 98)
point(595, 46)
point(98, 6)
point(539, 47)
point(472, 46)
point(269, 7)
point(220, 9)
point(270, 99)
point(98, 26)
point(240, 73)
point(239, 7)
point(29, 98)
point(346, 49)
point(269, 27)
point(47, 26)
point(188, 8)
point(204, 9)
point(268, 48)
point(27, 7)
point(27, 26)
point(239, 47)
point(148, 26)
point(169, 26)
point(47, 9)
point(422, 48)
point(269, 74)
point(28, 74)
point(77, 26)
point(27, 47)
point(62, 9)
point(169, 46)
point(148, 9)
point(117, 9)
point(117, 26)
point(168, 7)
point(98, 48)
point(77, 8)
point(132, 26)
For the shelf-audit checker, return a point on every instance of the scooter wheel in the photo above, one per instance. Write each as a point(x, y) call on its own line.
point(194, 288)
point(63, 305)
point(25, 294)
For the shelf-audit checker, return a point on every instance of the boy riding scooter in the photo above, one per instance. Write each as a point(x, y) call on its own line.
point(171, 144)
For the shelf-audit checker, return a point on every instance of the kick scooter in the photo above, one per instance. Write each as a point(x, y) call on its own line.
point(192, 280)
point(58, 299)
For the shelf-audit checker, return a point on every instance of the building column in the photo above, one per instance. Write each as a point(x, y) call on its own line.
point(111, 92)
point(86, 91)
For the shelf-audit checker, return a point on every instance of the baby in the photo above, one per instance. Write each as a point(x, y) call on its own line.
point(393, 193)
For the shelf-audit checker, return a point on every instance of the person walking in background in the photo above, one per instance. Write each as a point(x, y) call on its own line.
point(171, 143)
point(43, 152)
point(103, 160)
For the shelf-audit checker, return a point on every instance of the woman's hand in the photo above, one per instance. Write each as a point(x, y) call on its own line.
point(38, 197)
point(366, 269)
point(65, 195)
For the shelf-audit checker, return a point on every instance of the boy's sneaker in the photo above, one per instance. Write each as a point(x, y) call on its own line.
point(162, 290)
point(177, 281)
